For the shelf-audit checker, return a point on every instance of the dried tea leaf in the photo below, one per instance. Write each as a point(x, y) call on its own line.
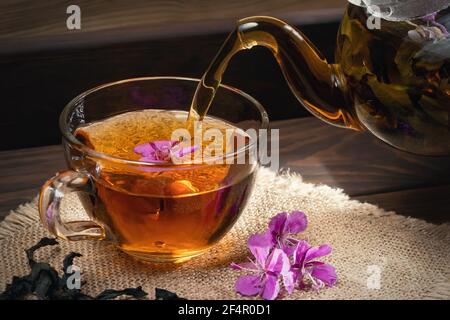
point(67, 262)
point(42, 243)
point(43, 282)
point(163, 294)
point(17, 289)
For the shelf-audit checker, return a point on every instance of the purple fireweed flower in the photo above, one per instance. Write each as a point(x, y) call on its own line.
point(284, 226)
point(49, 214)
point(431, 19)
point(269, 266)
point(432, 31)
point(162, 151)
point(307, 270)
point(281, 258)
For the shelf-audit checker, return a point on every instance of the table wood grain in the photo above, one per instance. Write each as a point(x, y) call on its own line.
point(366, 169)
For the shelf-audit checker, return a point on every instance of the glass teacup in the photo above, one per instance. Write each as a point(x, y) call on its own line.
point(154, 211)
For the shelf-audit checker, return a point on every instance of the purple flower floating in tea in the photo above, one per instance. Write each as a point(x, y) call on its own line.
point(280, 258)
point(162, 151)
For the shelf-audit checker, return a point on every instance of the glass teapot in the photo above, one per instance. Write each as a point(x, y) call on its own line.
point(391, 75)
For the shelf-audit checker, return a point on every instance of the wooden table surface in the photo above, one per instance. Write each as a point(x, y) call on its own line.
point(367, 170)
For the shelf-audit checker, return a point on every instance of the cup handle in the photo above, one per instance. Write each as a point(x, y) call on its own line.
point(50, 197)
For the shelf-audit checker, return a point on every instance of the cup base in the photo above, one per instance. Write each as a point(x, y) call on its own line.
point(162, 258)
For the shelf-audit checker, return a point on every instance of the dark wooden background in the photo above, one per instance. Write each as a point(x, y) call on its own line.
point(43, 65)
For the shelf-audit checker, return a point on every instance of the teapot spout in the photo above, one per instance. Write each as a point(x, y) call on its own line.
point(319, 86)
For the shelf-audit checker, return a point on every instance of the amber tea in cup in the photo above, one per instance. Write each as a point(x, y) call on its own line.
point(175, 212)
point(157, 212)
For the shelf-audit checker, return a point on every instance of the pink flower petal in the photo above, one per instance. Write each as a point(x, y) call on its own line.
point(162, 150)
point(155, 151)
point(314, 264)
point(260, 246)
point(278, 262)
point(289, 281)
point(248, 285)
point(163, 144)
point(144, 149)
point(186, 150)
point(325, 273)
point(271, 288)
point(49, 214)
point(431, 17)
point(296, 222)
point(276, 224)
point(317, 252)
point(300, 253)
point(289, 246)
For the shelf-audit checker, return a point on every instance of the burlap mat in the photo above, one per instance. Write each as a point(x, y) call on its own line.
point(411, 257)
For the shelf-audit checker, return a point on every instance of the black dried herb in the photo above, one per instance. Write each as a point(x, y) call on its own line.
point(163, 294)
point(44, 282)
point(67, 262)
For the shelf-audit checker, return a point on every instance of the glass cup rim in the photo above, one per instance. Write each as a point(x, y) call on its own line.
point(63, 126)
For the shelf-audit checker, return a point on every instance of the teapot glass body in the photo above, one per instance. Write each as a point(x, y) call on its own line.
point(390, 77)
point(397, 78)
